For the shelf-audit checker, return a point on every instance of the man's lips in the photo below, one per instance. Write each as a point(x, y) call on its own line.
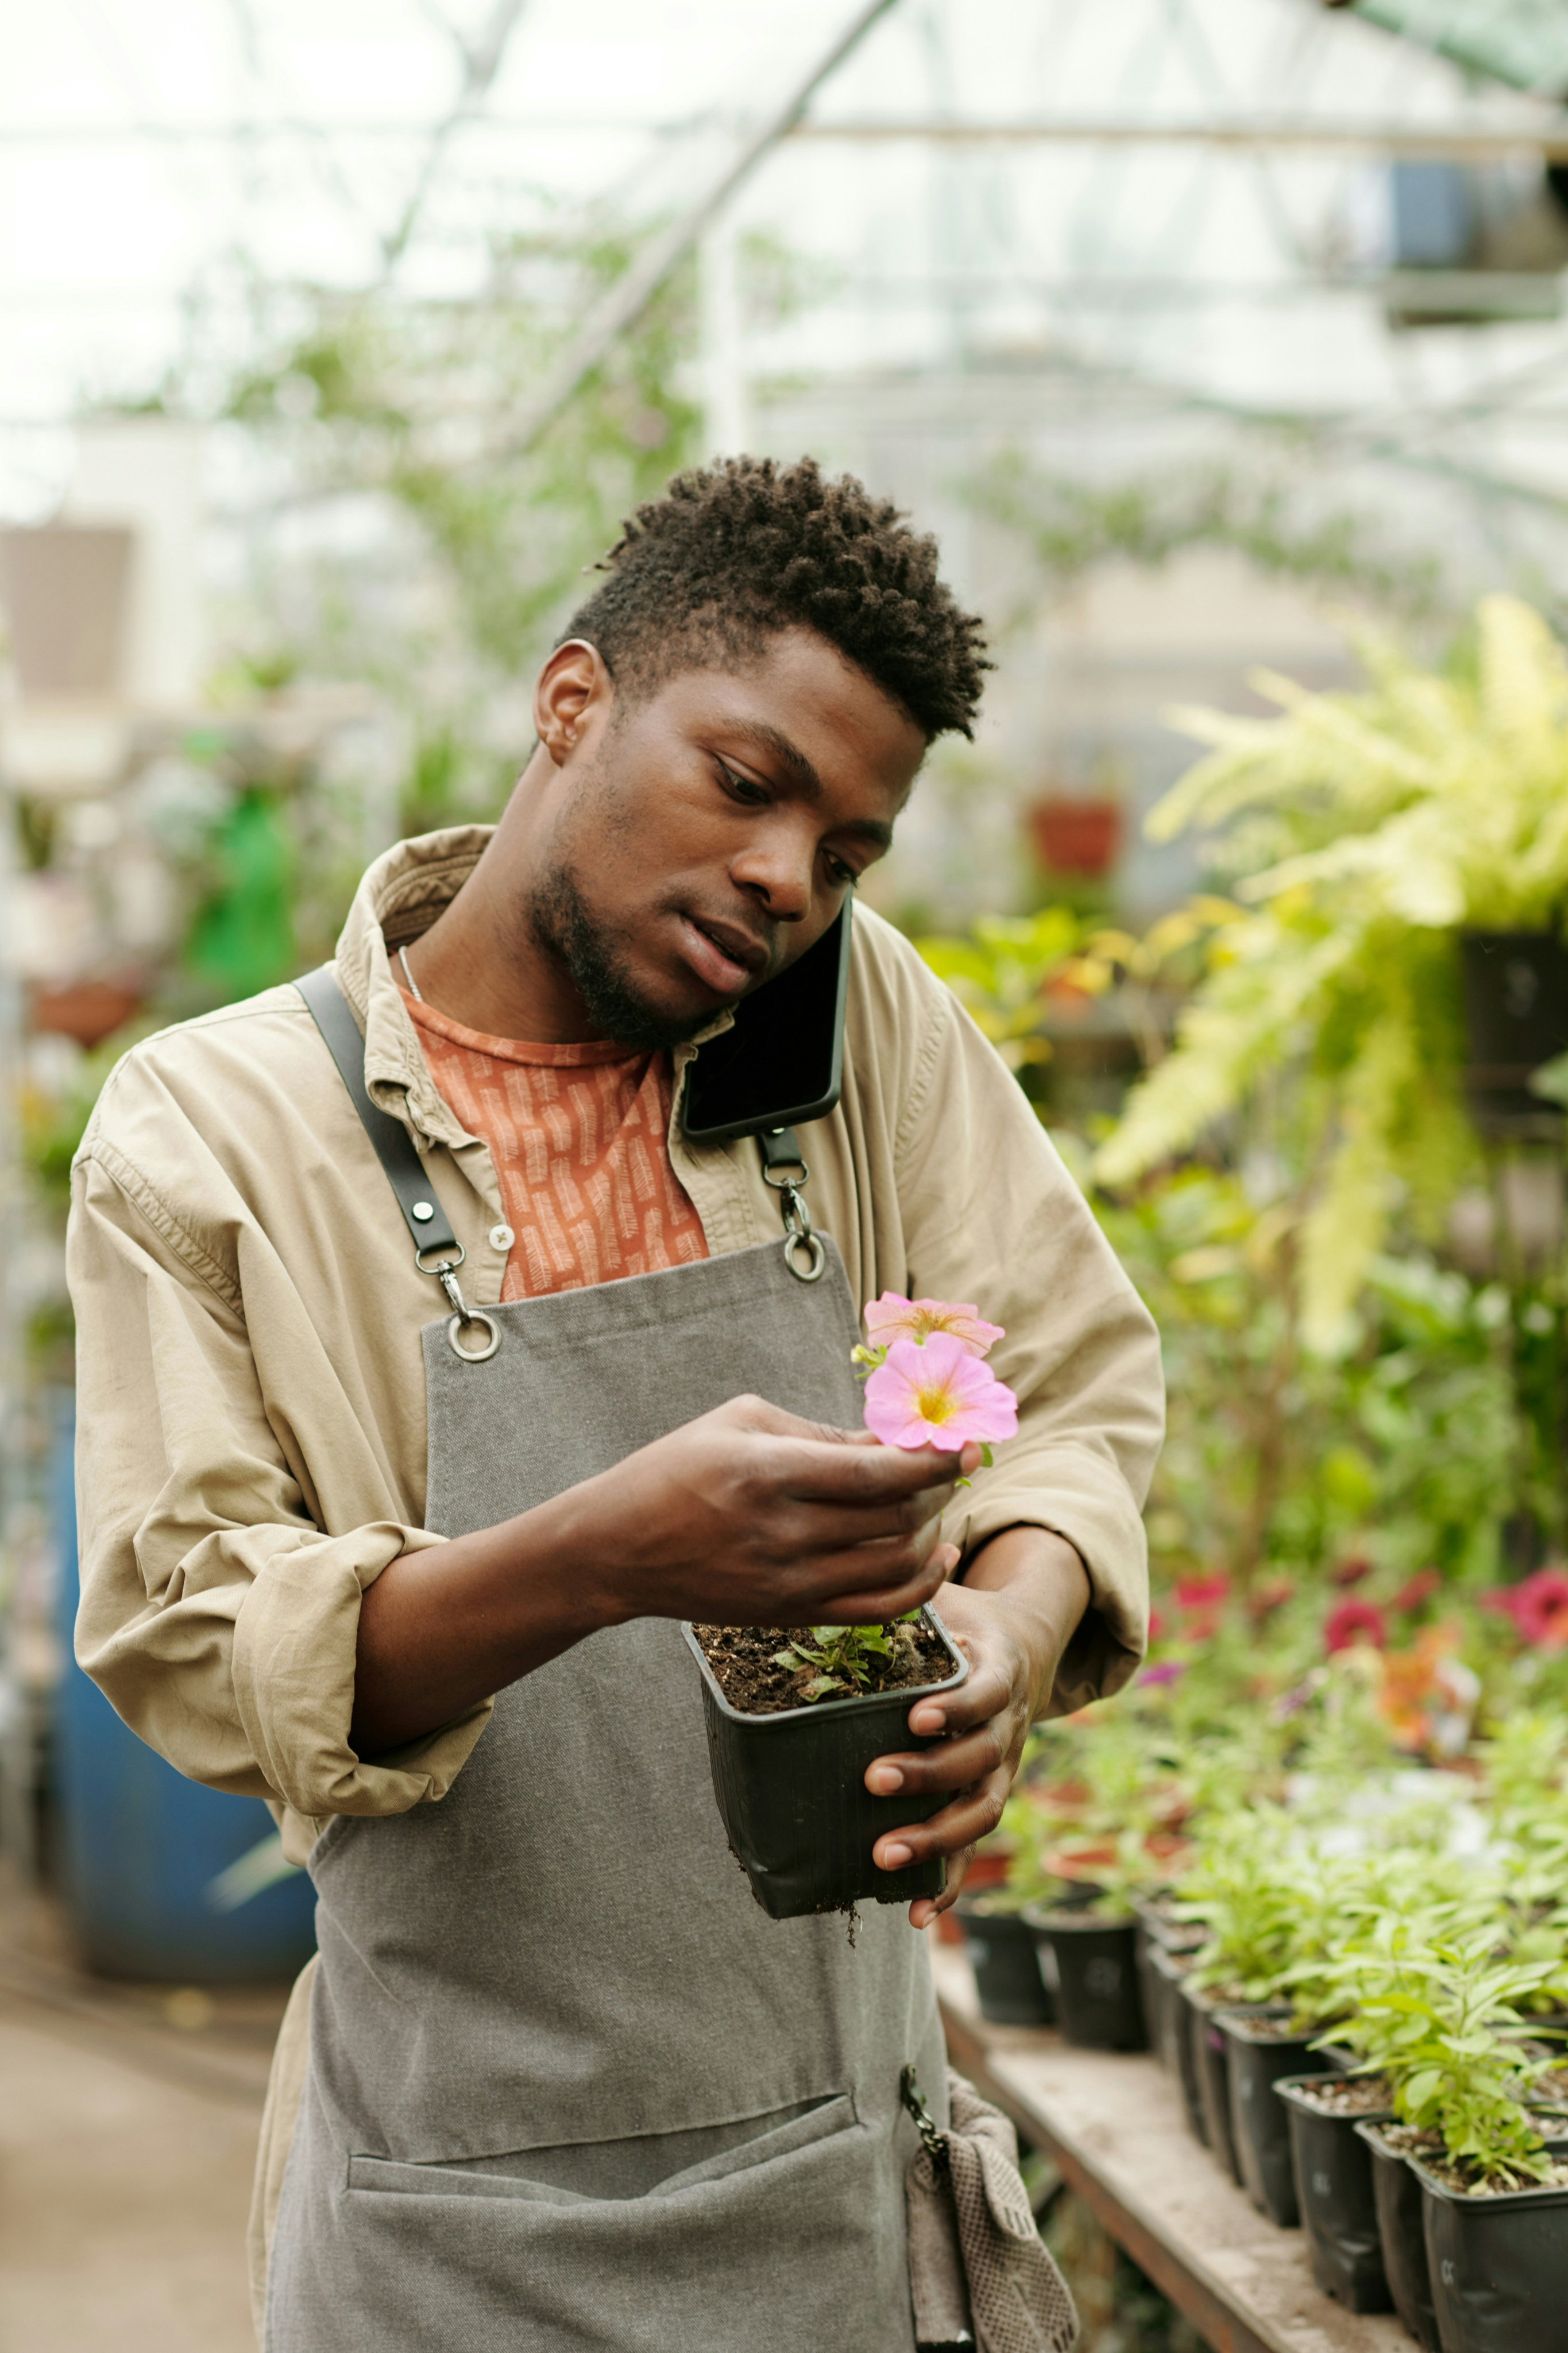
point(724, 955)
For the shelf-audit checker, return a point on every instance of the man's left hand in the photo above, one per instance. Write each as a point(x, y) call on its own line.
point(1013, 1617)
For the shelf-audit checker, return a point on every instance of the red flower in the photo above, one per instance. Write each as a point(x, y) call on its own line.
point(1262, 1602)
point(1417, 1591)
point(1203, 1592)
point(1349, 1622)
point(1539, 1607)
point(1351, 1572)
point(1156, 1624)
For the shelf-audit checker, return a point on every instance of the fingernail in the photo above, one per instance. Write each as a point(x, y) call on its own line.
point(930, 1720)
point(894, 1858)
point(884, 1780)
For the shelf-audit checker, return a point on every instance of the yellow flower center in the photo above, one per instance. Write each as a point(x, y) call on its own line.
point(936, 1405)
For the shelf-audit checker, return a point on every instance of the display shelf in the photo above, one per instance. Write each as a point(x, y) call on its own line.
point(1112, 2124)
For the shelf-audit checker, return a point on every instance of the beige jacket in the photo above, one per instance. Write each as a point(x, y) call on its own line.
point(251, 1416)
point(251, 1410)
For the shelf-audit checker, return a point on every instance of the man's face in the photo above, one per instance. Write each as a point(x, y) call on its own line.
point(705, 837)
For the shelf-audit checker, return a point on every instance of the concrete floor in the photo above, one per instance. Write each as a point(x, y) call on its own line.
point(128, 2128)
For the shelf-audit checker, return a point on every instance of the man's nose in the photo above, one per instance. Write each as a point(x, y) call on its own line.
point(777, 874)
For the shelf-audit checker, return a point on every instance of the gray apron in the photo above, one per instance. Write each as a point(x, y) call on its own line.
point(569, 2087)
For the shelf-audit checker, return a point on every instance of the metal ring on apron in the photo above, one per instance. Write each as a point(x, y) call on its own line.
point(477, 1316)
point(815, 1256)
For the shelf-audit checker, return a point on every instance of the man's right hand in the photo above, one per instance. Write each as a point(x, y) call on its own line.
point(748, 1516)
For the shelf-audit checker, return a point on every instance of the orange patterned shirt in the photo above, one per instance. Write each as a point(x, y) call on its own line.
point(579, 1137)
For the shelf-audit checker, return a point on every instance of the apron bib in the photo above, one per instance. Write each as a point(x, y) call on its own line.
point(570, 2088)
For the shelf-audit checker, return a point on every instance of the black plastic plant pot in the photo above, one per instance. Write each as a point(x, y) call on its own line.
point(1260, 2126)
point(1333, 2189)
point(1174, 2027)
point(1498, 2265)
point(1211, 2056)
point(1516, 1018)
point(1401, 2233)
point(793, 1797)
point(1007, 1980)
point(1092, 1973)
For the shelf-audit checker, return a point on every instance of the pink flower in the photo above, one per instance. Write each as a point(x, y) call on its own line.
point(1202, 1592)
point(892, 1318)
point(1417, 1591)
point(1539, 1607)
point(1169, 1671)
point(1351, 1572)
point(938, 1395)
point(1349, 1622)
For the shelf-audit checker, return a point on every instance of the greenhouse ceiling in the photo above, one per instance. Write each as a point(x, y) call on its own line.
point(1524, 42)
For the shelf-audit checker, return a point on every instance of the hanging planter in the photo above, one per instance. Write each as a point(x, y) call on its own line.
point(1081, 837)
point(1516, 1018)
point(1007, 1980)
point(1333, 2183)
point(791, 1789)
point(1259, 2049)
point(1499, 2263)
point(1401, 2234)
point(1090, 1969)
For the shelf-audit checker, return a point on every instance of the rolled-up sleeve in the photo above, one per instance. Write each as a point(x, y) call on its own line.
point(218, 1618)
point(991, 1215)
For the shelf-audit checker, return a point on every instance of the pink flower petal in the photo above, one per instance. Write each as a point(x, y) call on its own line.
point(894, 1317)
point(938, 1394)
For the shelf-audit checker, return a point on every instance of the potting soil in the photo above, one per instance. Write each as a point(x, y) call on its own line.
point(745, 1667)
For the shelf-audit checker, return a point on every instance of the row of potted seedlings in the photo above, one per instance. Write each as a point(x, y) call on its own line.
point(1362, 1994)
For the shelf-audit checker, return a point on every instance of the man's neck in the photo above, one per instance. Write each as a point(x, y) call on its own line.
point(479, 964)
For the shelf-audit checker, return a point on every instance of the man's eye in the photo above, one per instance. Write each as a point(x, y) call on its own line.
point(742, 787)
point(840, 873)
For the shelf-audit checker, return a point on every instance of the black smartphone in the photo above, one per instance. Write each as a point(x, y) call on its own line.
point(783, 1061)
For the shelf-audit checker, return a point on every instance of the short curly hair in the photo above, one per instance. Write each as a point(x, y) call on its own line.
point(735, 551)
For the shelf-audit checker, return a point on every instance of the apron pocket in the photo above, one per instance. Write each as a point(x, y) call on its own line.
point(793, 2240)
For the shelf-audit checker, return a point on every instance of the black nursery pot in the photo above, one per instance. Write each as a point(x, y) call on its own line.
point(1175, 2028)
point(1401, 2233)
point(1516, 1017)
point(1498, 2265)
point(1333, 2191)
point(1260, 2126)
point(1155, 1934)
point(1211, 2058)
point(1007, 1980)
point(1092, 1973)
point(793, 1797)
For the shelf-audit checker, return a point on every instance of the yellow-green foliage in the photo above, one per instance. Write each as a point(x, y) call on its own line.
point(1376, 825)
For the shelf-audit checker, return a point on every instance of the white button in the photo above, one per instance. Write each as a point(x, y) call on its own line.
point(501, 1237)
point(424, 1212)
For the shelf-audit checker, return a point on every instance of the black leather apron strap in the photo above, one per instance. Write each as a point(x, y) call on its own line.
point(422, 1212)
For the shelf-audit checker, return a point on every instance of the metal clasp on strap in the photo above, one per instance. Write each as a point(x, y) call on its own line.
point(465, 1316)
point(932, 2139)
point(784, 1169)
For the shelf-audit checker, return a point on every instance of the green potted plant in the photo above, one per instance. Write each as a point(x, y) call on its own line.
point(1445, 2027)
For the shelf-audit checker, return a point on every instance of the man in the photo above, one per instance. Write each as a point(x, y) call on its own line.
point(411, 1565)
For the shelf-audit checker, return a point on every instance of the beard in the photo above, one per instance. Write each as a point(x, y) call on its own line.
point(596, 963)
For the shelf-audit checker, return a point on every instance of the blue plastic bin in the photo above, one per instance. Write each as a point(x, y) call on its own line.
point(164, 1880)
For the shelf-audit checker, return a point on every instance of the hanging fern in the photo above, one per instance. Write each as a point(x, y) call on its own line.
point(1370, 828)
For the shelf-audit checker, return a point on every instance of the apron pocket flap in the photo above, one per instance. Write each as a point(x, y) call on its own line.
point(834, 2116)
point(380, 2173)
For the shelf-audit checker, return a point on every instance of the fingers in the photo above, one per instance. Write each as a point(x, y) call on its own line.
point(951, 1765)
point(821, 1472)
point(969, 1817)
point(874, 1604)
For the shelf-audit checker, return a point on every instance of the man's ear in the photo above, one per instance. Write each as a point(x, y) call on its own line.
point(572, 698)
